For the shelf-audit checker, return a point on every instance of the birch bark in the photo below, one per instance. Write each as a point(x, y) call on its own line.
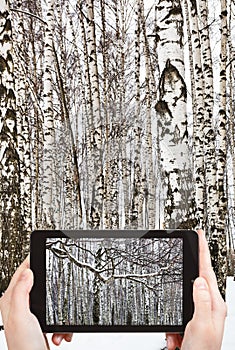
point(50, 213)
point(231, 109)
point(209, 133)
point(96, 220)
point(198, 118)
point(172, 121)
point(217, 240)
point(13, 243)
point(204, 137)
point(138, 192)
point(73, 149)
point(151, 209)
point(23, 130)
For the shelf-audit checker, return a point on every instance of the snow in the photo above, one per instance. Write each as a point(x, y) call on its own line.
point(149, 341)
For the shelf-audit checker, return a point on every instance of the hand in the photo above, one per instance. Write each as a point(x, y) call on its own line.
point(205, 330)
point(21, 327)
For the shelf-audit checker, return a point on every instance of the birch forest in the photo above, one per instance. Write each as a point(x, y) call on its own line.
point(116, 114)
point(114, 281)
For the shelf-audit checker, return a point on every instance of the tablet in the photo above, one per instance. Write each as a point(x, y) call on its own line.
point(113, 280)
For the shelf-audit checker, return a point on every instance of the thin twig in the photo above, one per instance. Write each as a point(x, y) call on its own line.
point(28, 14)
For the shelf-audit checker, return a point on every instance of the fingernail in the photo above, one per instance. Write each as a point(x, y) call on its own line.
point(59, 338)
point(68, 337)
point(200, 283)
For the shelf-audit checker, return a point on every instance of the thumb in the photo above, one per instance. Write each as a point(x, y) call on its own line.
point(20, 292)
point(202, 301)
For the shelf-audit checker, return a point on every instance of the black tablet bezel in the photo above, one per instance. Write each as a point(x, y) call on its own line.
point(38, 266)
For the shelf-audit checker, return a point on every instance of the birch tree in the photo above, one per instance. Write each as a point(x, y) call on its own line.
point(172, 121)
point(98, 110)
point(198, 121)
point(231, 69)
point(96, 126)
point(14, 234)
point(50, 210)
point(218, 237)
point(148, 125)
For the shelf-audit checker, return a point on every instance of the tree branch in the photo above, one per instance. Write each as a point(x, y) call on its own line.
point(28, 14)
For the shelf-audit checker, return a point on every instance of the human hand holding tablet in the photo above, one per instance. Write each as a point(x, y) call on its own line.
point(21, 327)
point(113, 281)
point(209, 322)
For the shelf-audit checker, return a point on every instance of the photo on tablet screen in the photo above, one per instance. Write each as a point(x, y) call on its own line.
point(114, 281)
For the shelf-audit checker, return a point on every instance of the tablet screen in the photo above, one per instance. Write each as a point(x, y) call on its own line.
point(114, 281)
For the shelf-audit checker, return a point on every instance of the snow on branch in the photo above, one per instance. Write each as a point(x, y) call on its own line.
point(63, 253)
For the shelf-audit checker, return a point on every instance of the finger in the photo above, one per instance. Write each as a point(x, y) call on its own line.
point(68, 337)
point(20, 292)
point(202, 302)
point(22, 267)
point(6, 299)
point(173, 341)
point(205, 267)
point(57, 338)
point(206, 270)
point(204, 253)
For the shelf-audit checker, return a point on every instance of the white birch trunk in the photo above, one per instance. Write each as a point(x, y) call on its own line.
point(209, 134)
point(171, 113)
point(13, 237)
point(217, 240)
point(23, 135)
point(148, 129)
point(231, 108)
point(198, 123)
point(96, 130)
point(137, 218)
point(50, 213)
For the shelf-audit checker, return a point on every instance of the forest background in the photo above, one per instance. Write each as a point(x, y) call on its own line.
point(116, 114)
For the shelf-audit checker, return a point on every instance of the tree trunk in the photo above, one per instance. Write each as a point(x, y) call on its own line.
point(217, 240)
point(97, 185)
point(14, 228)
point(50, 214)
point(172, 121)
